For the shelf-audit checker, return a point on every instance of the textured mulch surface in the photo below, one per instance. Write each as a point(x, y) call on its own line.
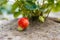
point(48, 30)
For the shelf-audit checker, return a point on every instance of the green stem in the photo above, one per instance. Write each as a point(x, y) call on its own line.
point(43, 2)
point(48, 14)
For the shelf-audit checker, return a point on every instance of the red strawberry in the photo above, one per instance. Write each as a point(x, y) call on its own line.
point(23, 23)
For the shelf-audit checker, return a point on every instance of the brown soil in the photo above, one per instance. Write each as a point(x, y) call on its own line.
point(49, 30)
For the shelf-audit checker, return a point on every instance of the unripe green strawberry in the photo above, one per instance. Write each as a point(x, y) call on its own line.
point(41, 18)
point(23, 23)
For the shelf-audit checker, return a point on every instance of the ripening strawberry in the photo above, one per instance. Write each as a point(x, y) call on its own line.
point(23, 23)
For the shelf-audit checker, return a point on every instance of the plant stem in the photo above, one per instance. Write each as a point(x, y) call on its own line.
point(43, 2)
point(47, 14)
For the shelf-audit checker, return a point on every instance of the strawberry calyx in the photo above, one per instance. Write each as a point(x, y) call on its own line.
point(19, 28)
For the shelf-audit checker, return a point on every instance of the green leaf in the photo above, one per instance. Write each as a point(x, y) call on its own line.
point(14, 6)
point(30, 5)
point(0, 12)
point(58, 0)
point(50, 1)
point(31, 0)
point(41, 18)
point(16, 14)
point(3, 2)
point(56, 7)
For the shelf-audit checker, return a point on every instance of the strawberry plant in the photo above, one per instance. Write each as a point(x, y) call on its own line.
point(1, 5)
point(33, 10)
